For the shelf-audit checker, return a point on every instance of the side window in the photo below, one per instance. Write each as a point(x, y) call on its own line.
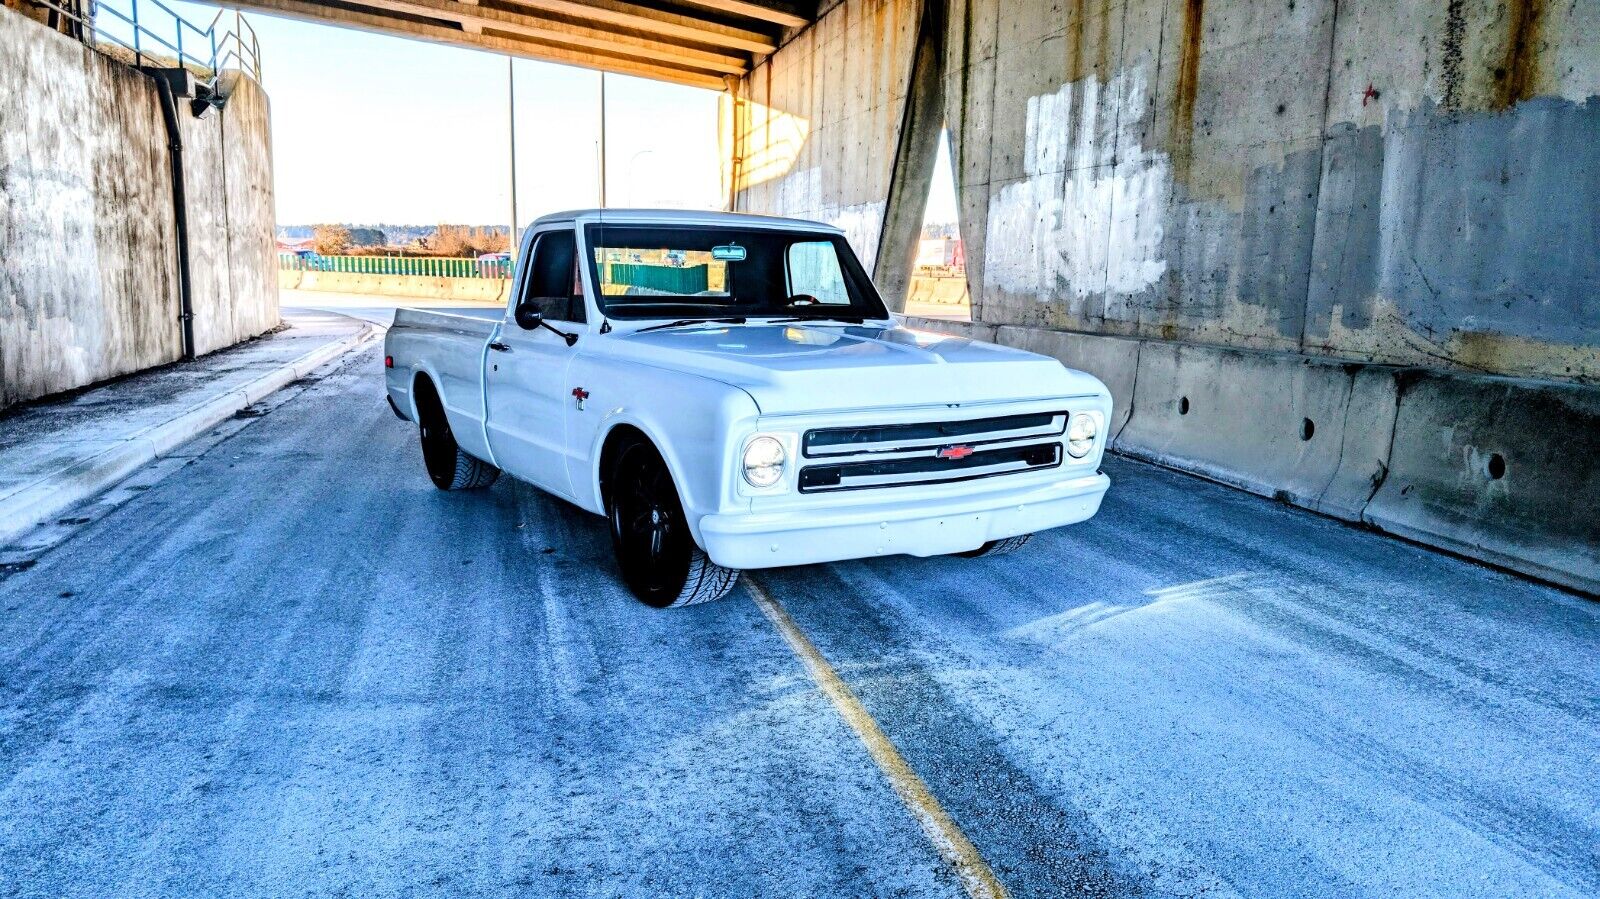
point(814, 269)
point(553, 279)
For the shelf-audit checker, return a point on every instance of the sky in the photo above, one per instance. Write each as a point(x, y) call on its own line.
point(370, 129)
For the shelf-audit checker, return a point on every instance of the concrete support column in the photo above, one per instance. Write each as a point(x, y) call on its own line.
point(918, 148)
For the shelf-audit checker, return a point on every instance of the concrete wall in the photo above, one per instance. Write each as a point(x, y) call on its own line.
point(1275, 211)
point(1220, 172)
point(88, 285)
point(814, 129)
point(1407, 183)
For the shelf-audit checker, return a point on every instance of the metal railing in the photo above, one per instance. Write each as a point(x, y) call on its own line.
point(427, 266)
point(155, 34)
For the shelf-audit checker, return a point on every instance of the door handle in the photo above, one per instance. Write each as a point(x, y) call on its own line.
point(502, 347)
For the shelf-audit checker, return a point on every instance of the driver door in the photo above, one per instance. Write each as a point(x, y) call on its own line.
point(525, 372)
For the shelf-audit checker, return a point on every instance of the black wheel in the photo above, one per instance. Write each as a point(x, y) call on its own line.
point(448, 466)
point(998, 547)
point(659, 559)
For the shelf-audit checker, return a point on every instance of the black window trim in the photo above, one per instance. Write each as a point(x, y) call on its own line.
point(525, 281)
point(855, 274)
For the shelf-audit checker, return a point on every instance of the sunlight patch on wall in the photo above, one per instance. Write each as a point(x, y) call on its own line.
point(765, 143)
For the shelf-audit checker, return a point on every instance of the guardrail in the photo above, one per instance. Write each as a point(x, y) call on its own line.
point(424, 266)
point(685, 280)
point(155, 34)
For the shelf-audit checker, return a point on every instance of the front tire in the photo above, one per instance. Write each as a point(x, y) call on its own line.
point(660, 562)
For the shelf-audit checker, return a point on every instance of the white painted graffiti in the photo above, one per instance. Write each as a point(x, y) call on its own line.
point(1088, 216)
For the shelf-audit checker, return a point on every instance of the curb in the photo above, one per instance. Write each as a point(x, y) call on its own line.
point(86, 478)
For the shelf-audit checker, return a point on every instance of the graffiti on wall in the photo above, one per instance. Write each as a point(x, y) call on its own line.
point(1087, 218)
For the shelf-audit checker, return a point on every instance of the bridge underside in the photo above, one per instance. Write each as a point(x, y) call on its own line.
point(698, 43)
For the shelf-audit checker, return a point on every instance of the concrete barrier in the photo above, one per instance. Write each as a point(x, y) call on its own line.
point(943, 291)
point(1311, 432)
point(1496, 469)
point(1499, 469)
point(487, 290)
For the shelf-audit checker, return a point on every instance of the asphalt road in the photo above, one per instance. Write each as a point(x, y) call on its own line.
point(284, 664)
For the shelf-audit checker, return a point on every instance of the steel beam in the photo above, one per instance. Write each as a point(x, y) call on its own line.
point(480, 17)
point(526, 47)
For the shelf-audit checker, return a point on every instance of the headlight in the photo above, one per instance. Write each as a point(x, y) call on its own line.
point(1081, 434)
point(763, 462)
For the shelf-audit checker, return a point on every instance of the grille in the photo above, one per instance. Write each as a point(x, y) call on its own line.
point(896, 438)
point(930, 452)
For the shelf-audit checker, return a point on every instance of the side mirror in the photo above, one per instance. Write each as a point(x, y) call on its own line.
point(528, 315)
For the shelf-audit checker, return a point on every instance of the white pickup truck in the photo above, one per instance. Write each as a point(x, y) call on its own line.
point(731, 393)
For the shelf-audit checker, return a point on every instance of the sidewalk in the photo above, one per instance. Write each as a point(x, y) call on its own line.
point(54, 455)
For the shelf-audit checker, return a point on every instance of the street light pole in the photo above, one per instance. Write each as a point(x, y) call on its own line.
point(602, 140)
point(512, 245)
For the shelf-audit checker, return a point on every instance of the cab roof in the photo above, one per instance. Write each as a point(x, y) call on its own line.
point(702, 217)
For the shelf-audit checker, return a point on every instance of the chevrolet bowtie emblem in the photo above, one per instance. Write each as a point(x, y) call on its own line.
point(954, 453)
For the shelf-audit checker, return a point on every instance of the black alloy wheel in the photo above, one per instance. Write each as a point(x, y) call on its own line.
point(439, 449)
point(648, 530)
point(660, 562)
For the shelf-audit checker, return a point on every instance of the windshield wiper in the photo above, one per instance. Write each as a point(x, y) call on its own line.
point(739, 320)
point(846, 319)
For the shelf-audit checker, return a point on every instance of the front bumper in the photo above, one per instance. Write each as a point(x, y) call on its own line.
point(916, 527)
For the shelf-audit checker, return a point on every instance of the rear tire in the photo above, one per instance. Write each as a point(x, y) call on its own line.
point(660, 562)
point(449, 467)
point(998, 547)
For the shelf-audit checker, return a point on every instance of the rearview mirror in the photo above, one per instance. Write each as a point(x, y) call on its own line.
point(528, 315)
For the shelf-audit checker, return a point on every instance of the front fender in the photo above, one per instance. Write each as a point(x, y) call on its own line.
point(694, 422)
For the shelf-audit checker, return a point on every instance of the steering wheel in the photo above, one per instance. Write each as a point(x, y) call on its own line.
point(803, 299)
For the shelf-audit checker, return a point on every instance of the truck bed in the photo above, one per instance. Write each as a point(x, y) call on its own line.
point(447, 348)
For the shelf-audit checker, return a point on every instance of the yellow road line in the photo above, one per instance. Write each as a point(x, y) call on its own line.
point(953, 845)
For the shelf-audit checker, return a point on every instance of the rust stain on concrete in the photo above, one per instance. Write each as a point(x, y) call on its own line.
point(1183, 99)
point(1075, 40)
point(1516, 78)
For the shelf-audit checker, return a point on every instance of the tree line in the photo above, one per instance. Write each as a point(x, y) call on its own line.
point(445, 240)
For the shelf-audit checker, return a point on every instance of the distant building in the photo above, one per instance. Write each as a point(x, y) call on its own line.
point(941, 252)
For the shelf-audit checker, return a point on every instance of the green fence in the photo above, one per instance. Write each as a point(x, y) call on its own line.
point(425, 266)
point(684, 281)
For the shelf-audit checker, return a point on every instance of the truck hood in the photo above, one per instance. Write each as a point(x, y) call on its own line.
point(790, 368)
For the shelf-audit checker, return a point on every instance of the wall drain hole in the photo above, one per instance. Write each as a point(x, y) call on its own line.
point(1497, 467)
point(1308, 429)
point(1183, 405)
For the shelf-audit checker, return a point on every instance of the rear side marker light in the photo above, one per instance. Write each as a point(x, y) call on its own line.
point(388, 362)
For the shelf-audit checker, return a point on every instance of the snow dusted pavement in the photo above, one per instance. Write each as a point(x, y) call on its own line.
point(288, 666)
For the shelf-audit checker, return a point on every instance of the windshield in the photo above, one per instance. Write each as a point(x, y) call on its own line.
point(679, 272)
